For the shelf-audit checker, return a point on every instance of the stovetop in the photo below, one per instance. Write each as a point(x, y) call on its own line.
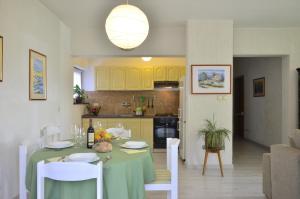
point(166, 115)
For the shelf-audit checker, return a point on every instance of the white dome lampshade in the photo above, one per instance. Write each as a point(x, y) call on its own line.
point(127, 26)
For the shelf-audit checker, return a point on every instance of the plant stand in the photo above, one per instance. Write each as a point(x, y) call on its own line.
point(217, 151)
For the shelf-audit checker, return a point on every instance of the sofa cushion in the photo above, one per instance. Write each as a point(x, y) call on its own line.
point(294, 139)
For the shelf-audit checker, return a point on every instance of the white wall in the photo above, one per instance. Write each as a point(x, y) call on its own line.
point(276, 41)
point(89, 78)
point(28, 24)
point(161, 41)
point(208, 42)
point(262, 114)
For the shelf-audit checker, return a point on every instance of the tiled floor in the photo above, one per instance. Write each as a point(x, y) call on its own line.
point(244, 181)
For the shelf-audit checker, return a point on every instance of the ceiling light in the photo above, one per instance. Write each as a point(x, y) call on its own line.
point(146, 59)
point(127, 26)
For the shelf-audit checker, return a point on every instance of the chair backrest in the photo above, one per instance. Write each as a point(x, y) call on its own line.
point(50, 133)
point(172, 159)
point(119, 132)
point(25, 150)
point(68, 171)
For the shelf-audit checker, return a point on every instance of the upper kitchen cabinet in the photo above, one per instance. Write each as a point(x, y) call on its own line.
point(173, 73)
point(182, 72)
point(133, 78)
point(102, 78)
point(147, 78)
point(117, 78)
point(160, 73)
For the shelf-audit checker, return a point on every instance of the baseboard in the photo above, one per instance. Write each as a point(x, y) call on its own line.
point(214, 166)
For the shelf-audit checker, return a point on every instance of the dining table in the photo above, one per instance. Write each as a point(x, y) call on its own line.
point(124, 174)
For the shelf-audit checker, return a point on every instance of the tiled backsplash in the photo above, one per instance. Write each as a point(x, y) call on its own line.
point(111, 101)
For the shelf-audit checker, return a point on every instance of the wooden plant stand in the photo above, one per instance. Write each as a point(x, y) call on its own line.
point(217, 151)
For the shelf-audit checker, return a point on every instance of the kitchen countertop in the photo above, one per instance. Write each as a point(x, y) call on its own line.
point(116, 116)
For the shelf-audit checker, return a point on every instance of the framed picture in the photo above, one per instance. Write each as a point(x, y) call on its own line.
point(37, 76)
point(1, 58)
point(259, 87)
point(211, 79)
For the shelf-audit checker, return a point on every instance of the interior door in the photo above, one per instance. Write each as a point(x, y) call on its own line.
point(238, 106)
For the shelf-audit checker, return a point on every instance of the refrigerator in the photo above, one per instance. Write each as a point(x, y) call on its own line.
point(182, 117)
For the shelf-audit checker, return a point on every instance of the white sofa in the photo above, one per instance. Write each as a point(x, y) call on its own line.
point(281, 170)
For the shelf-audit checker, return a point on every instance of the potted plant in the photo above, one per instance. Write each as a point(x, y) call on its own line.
point(214, 136)
point(80, 94)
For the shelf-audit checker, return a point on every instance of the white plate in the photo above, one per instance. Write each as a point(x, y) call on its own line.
point(82, 157)
point(60, 145)
point(134, 146)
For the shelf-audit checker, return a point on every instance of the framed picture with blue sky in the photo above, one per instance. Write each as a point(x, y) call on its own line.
point(37, 76)
point(211, 79)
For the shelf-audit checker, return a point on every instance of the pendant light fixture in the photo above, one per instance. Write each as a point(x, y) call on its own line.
point(127, 26)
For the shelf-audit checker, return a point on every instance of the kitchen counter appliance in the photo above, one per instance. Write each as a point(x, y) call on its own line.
point(165, 126)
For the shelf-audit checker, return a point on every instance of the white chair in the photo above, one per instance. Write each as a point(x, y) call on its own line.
point(119, 132)
point(167, 180)
point(68, 171)
point(50, 133)
point(25, 150)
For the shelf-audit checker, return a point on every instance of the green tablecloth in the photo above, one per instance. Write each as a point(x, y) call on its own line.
point(124, 175)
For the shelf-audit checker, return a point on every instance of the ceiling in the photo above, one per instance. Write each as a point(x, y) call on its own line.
point(267, 13)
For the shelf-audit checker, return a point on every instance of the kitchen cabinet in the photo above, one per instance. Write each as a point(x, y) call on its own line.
point(117, 78)
point(113, 123)
point(95, 121)
point(133, 78)
point(102, 78)
point(182, 72)
point(135, 126)
point(173, 73)
point(147, 131)
point(160, 73)
point(147, 78)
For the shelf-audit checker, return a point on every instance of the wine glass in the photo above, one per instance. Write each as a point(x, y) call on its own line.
point(120, 125)
point(98, 125)
point(75, 133)
point(81, 136)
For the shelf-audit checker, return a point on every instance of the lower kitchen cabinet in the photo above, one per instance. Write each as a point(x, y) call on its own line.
point(135, 126)
point(95, 122)
point(141, 128)
point(147, 131)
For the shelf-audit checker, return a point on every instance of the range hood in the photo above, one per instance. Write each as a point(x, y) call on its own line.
point(166, 85)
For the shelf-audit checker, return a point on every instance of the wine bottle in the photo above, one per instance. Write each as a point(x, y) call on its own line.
point(90, 135)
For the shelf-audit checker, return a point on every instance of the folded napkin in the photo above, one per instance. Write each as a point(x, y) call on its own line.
point(56, 159)
point(131, 151)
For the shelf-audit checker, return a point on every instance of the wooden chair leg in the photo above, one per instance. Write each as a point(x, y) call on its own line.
point(220, 163)
point(205, 161)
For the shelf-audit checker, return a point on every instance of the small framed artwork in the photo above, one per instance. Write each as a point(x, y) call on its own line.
point(259, 87)
point(1, 58)
point(37, 76)
point(211, 79)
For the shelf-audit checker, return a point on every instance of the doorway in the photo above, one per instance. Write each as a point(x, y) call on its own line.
point(257, 104)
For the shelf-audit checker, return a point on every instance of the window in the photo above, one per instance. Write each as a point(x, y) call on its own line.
point(77, 77)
